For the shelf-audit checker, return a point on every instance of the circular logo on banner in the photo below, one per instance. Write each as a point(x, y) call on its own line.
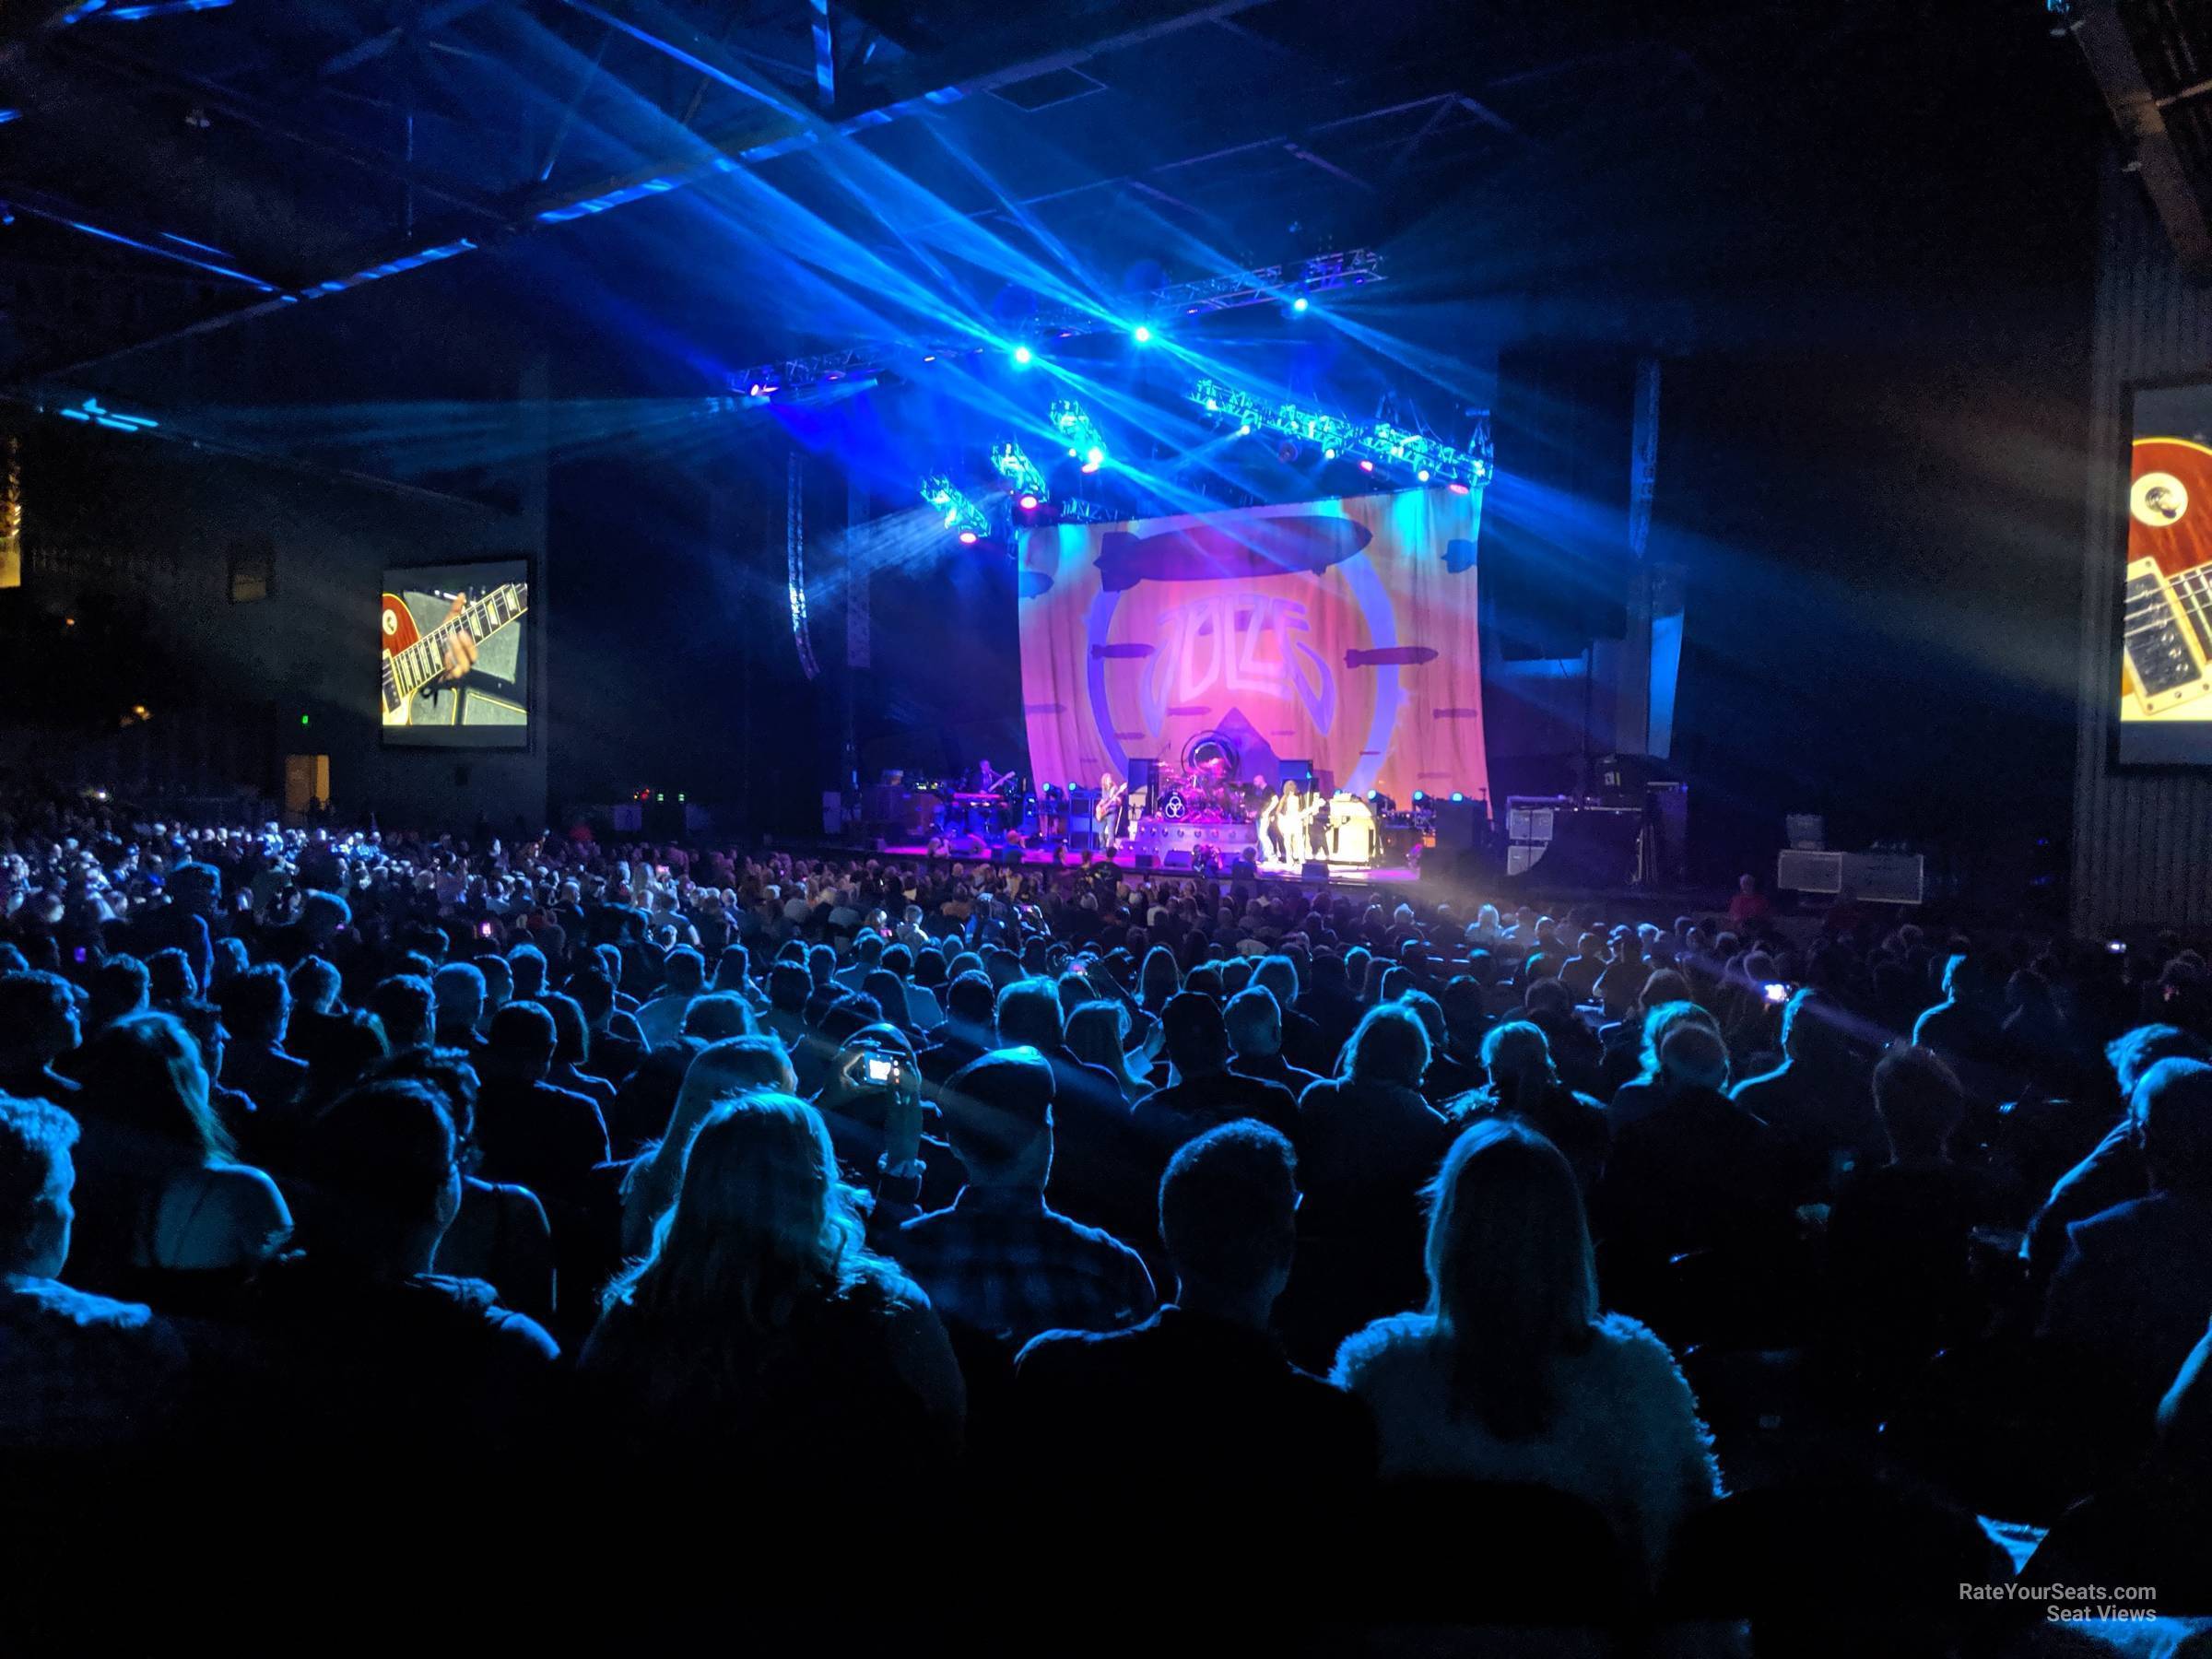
point(2158, 499)
point(1172, 806)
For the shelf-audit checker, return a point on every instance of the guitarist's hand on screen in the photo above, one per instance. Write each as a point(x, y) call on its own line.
point(460, 649)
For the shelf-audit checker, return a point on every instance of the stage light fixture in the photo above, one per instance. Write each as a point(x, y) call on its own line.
point(1094, 454)
point(1459, 489)
point(1366, 442)
point(1022, 356)
point(1141, 335)
point(1298, 304)
point(1245, 430)
point(1328, 455)
point(1421, 474)
point(1366, 467)
point(1457, 796)
point(1028, 503)
point(1012, 464)
point(1419, 796)
point(967, 538)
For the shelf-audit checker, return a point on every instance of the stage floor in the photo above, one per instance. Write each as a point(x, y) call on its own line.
point(1125, 859)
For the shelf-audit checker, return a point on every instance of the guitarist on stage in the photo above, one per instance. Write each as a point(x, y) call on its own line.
point(1107, 815)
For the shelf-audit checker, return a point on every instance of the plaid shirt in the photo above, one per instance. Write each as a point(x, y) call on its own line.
point(1005, 1262)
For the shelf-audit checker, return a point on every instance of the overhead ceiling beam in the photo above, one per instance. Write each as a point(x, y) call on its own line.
point(2158, 163)
point(160, 244)
point(1033, 45)
point(376, 45)
point(252, 113)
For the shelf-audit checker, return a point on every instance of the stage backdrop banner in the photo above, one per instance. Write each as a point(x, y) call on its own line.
point(1340, 632)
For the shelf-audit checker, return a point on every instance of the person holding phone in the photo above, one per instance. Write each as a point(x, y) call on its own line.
point(999, 1259)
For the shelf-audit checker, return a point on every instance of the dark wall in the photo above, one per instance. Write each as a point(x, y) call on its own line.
point(132, 535)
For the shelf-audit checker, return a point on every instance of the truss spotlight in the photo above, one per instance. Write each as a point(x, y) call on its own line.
point(1328, 455)
point(1245, 430)
point(1095, 456)
point(1141, 335)
point(1028, 503)
point(1023, 355)
point(1459, 489)
point(967, 538)
point(929, 357)
point(1366, 467)
point(1421, 475)
point(753, 390)
point(1298, 304)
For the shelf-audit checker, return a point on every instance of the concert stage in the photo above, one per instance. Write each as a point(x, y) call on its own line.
point(1340, 875)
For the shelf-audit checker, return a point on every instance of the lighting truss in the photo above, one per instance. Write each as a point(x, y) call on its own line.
point(1019, 472)
point(962, 516)
point(1261, 285)
point(1072, 426)
point(1376, 441)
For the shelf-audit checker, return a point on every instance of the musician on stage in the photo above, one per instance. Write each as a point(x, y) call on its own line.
point(1106, 815)
point(1291, 818)
point(1266, 826)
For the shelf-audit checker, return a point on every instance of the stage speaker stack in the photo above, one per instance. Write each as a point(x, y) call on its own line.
point(1554, 550)
point(1144, 860)
point(1179, 858)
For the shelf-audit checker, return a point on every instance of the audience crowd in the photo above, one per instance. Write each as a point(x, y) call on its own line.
point(1676, 1256)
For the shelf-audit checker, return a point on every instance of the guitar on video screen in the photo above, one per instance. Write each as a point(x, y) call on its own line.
point(416, 661)
point(2166, 664)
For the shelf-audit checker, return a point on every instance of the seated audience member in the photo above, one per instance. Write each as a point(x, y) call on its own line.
point(79, 1373)
point(685, 976)
point(1368, 1145)
point(499, 984)
point(1696, 1172)
point(1511, 1374)
point(38, 1026)
point(759, 1337)
point(163, 1206)
point(459, 988)
point(314, 984)
point(716, 1014)
point(999, 1259)
point(1964, 1031)
point(170, 981)
point(1303, 1044)
point(1523, 1085)
point(1254, 1021)
point(525, 973)
point(1576, 1053)
point(966, 1034)
point(612, 1054)
point(258, 1012)
point(1816, 1101)
point(500, 1234)
point(2134, 1292)
point(572, 1051)
point(2113, 1172)
point(1103, 1168)
point(115, 989)
point(1199, 1398)
point(382, 1361)
point(1097, 1034)
point(405, 1005)
point(1206, 1092)
point(1898, 1233)
point(719, 1072)
point(1447, 1078)
point(202, 1021)
point(544, 1138)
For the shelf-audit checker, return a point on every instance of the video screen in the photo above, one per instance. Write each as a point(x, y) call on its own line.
point(2166, 631)
point(455, 665)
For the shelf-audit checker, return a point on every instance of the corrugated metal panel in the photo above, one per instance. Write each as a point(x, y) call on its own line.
point(2142, 840)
